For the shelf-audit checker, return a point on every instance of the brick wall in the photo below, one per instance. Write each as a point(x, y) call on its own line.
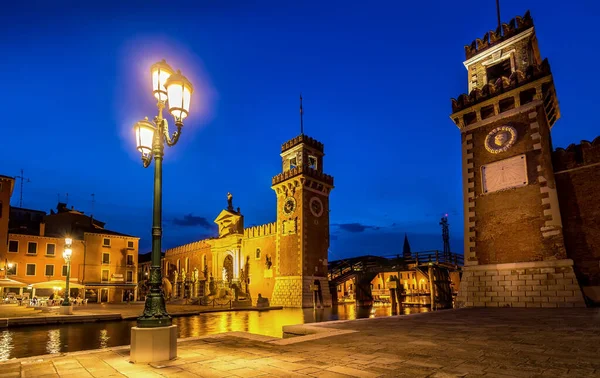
point(577, 172)
point(514, 225)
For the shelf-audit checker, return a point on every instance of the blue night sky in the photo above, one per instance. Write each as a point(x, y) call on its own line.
point(377, 78)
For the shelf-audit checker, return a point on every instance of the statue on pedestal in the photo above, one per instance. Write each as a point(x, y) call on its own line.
point(183, 283)
point(196, 286)
point(229, 201)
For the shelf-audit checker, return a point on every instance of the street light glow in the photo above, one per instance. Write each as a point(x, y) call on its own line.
point(160, 71)
point(144, 134)
point(179, 91)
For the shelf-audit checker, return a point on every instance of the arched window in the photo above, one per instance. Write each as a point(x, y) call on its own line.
point(187, 264)
point(178, 265)
point(257, 256)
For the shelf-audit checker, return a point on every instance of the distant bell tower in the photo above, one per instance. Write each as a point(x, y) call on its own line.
point(302, 191)
point(514, 247)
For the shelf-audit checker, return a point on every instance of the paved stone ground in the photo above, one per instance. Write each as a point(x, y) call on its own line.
point(457, 343)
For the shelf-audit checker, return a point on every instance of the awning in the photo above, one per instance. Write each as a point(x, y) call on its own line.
point(7, 282)
point(56, 283)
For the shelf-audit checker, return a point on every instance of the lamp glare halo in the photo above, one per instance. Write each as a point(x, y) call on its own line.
point(179, 91)
point(144, 136)
point(160, 72)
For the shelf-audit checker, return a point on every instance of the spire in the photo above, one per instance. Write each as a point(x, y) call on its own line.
point(406, 248)
point(498, 12)
point(301, 117)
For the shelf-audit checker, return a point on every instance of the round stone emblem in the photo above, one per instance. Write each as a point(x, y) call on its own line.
point(316, 206)
point(500, 139)
point(289, 205)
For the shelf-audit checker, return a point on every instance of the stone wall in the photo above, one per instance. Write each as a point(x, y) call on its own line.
point(529, 284)
point(287, 292)
point(577, 172)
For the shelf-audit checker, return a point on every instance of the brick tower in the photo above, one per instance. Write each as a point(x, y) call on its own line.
point(514, 247)
point(6, 188)
point(302, 224)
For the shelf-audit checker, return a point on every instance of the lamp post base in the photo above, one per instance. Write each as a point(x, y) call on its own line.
point(66, 310)
point(153, 344)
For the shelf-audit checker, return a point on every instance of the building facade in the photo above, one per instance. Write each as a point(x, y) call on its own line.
point(284, 261)
point(103, 262)
point(515, 250)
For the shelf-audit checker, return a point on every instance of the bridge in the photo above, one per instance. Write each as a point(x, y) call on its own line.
point(435, 265)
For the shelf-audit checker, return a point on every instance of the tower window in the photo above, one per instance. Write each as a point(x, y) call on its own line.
point(312, 162)
point(257, 255)
point(293, 163)
point(498, 70)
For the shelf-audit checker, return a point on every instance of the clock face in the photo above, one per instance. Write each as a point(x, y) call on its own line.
point(289, 205)
point(316, 206)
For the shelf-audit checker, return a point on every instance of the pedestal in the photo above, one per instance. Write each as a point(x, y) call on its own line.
point(66, 310)
point(525, 284)
point(153, 344)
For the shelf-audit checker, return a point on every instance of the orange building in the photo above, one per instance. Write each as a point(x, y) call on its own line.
point(103, 262)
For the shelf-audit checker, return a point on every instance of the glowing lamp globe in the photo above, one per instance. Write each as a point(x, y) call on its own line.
point(160, 73)
point(68, 241)
point(10, 265)
point(144, 135)
point(67, 253)
point(179, 91)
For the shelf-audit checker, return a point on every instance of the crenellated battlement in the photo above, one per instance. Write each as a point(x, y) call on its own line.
point(492, 38)
point(502, 85)
point(261, 230)
point(313, 173)
point(303, 139)
point(190, 247)
point(576, 155)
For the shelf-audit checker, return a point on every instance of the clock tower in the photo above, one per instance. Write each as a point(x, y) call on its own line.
point(302, 240)
point(514, 247)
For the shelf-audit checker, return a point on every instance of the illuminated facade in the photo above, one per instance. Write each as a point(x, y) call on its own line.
point(284, 260)
point(103, 261)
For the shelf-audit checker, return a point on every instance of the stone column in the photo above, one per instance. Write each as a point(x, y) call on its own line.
point(431, 288)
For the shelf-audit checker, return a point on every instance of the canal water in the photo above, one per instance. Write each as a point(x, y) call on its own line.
point(38, 340)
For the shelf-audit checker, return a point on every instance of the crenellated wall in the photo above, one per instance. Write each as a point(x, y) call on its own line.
point(577, 173)
point(495, 37)
point(261, 230)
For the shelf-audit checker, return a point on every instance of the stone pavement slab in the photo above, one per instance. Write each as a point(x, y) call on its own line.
point(455, 343)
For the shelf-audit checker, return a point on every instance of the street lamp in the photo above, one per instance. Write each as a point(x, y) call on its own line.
point(173, 88)
point(67, 256)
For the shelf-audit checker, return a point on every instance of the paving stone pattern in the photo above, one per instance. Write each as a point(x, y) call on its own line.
point(499, 342)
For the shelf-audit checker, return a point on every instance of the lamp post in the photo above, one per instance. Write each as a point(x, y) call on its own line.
point(151, 136)
point(7, 266)
point(66, 305)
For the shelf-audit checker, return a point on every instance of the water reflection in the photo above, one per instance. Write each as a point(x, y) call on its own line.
point(104, 338)
point(6, 345)
point(37, 340)
point(53, 344)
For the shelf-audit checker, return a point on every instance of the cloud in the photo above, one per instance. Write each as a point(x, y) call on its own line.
point(190, 220)
point(355, 227)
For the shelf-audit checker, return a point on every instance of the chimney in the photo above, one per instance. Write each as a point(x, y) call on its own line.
point(42, 228)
